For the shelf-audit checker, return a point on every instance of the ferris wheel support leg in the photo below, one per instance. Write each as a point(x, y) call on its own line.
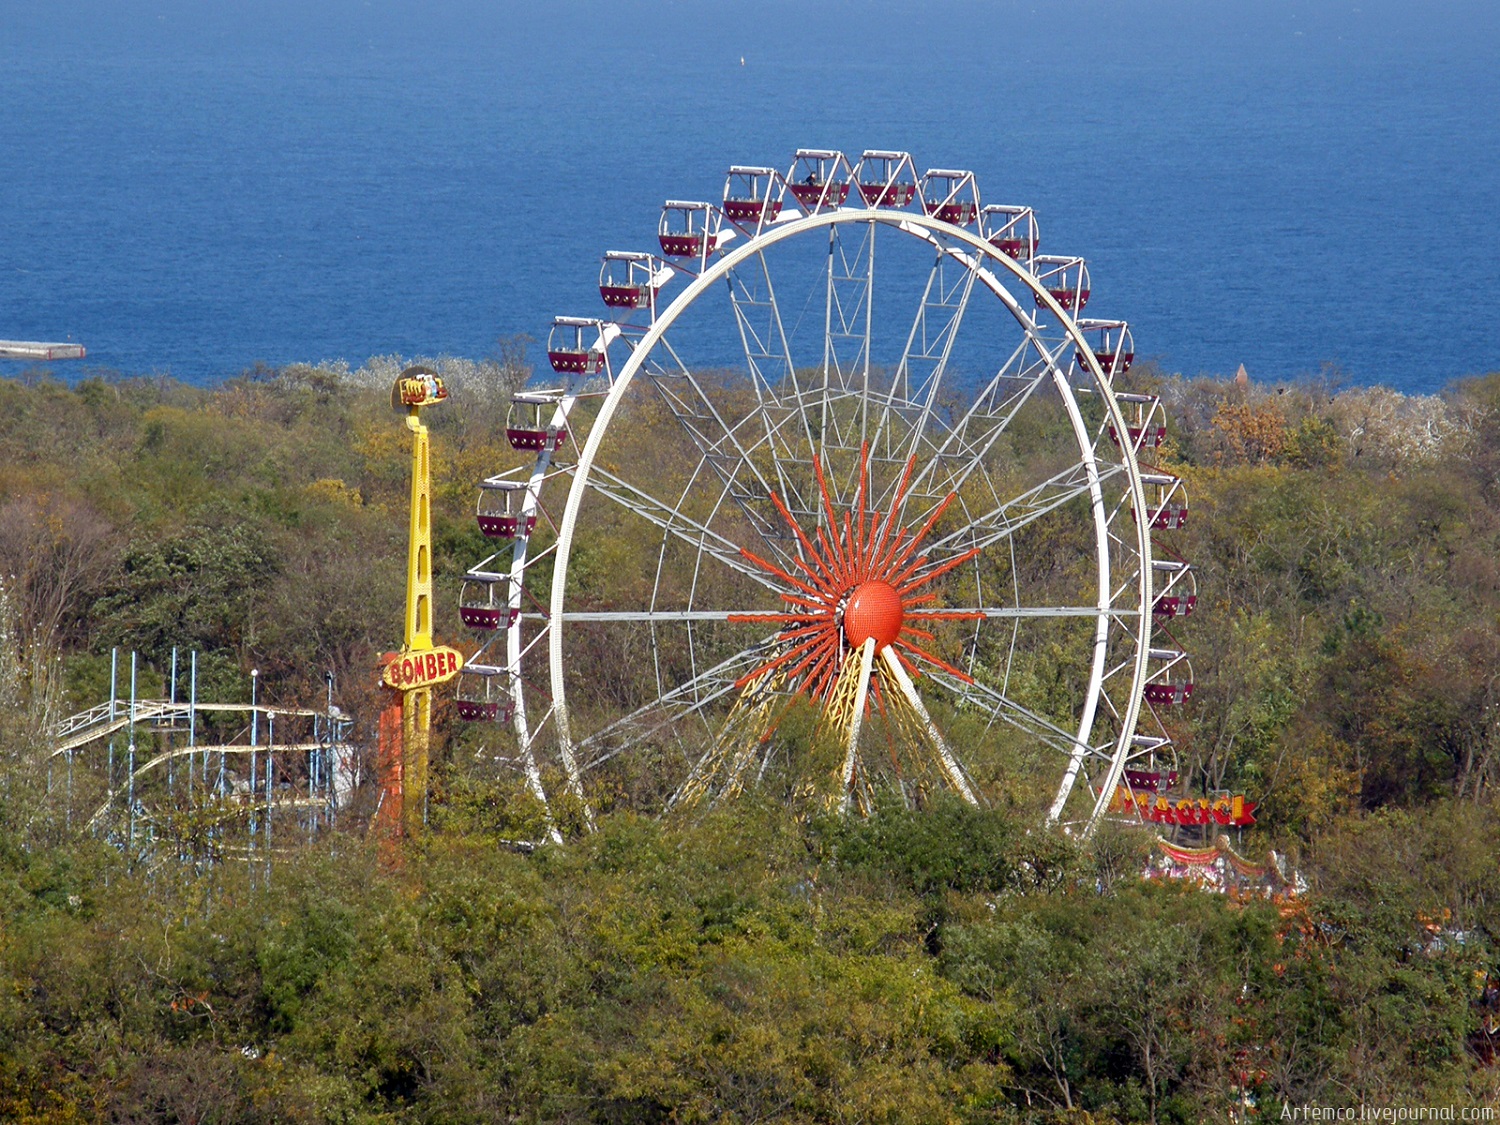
point(856, 720)
point(946, 760)
point(570, 766)
point(534, 786)
point(1054, 814)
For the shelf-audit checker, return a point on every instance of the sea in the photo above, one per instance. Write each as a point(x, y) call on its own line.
point(195, 187)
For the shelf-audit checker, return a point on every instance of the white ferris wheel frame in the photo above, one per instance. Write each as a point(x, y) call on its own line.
point(984, 256)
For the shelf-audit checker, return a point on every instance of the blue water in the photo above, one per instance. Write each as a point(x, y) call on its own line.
point(191, 187)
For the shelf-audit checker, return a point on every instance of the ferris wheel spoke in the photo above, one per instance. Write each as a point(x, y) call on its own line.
point(726, 449)
point(1025, 612)
point(929, 345)
point(780, 437)
point(757, 341)
point(1000, 707)
point(672, 521)
point(711, 686)
point(763, 339)
point(658, 616)
point(968, 445)
point(847, 325)
point(1004, 521)
point(988, 416)
point(716, 440)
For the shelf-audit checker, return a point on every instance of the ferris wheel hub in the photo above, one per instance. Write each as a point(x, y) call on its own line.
point(874, 610)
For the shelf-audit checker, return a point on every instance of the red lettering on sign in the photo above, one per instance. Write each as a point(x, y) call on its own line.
point(423, 669)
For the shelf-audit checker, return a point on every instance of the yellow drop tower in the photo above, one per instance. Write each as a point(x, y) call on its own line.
point(411, 674)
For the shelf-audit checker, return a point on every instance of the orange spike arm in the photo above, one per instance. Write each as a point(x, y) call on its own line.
point(794, 645)
point(813, 661)
point(821, 563)
point(828, 662)
point(911, 576)
point(778, 661)
point(820, 684)
point(932, 518)
point(897, 502)
point(783, 575)
point(834, 571)
point(793, 619)
point(833, 520)
point(770, 730)
point(945, 615)
point(856, 564)
point(922, 633)
point(820, 606)
point(817, 659)
point(913, 565)
point(888, 545)
point(943, 664)
point(901, 540)
point(905, 662)
point(799, 637)
point(918, 581)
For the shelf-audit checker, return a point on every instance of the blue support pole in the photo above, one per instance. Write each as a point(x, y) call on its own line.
point(130, 765)
point(172, 700)
point(193, 715)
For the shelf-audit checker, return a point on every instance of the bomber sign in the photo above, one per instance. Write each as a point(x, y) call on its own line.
point(424, 668)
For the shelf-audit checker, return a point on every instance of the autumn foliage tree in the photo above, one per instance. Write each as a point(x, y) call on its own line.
point(758, 961)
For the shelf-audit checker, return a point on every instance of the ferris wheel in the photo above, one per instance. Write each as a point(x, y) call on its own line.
point(840, 456)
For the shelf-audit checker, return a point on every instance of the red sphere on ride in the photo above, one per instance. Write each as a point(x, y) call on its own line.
point(873, 610)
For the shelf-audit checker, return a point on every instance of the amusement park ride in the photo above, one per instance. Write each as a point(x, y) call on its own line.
point(196, 781)
point(409, 676)
point(844, 443)
point(916, 490)
point(191, 779)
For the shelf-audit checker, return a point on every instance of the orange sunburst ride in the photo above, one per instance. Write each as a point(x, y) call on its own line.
point(861, 583)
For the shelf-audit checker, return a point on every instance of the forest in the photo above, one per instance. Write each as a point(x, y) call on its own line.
point(767, 960)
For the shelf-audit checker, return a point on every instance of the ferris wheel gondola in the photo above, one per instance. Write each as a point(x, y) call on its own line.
point(950, 196)
point(576, 345)
point(819, 178)
point(751, 196)
point(1065, 279)
point(886, 179)
point(1112, 345)
point(1011, 230)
